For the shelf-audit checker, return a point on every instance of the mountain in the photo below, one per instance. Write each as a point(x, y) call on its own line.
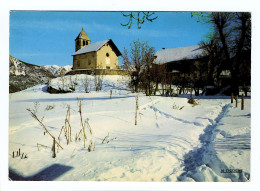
point(23, 75)
point(58, 70)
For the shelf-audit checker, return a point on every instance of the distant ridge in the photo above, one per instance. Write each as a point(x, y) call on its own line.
point(23, 75)
point(58, 70)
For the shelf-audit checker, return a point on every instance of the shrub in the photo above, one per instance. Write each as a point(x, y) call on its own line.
point(191, 100)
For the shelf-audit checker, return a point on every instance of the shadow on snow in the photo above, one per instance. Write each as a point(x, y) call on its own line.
point(50, 173)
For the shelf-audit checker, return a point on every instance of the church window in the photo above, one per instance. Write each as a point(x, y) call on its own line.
point(107, 54)
point(108, 67)
point(83, 42)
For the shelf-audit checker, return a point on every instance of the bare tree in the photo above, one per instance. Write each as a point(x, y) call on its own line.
point(138, 62)
point(86, 83)
point(230, 44)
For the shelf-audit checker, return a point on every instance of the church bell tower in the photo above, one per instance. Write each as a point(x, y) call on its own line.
point(81, 40)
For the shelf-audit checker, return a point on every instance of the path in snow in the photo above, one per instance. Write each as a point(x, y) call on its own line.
point(204, 164)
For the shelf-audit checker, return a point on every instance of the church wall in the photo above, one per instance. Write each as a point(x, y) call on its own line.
point(107, 58)
point(85, 61)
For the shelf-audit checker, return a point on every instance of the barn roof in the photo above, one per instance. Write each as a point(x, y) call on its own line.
point(96, 46)
point(176, 54)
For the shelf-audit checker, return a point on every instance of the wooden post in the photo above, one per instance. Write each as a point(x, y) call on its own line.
point(53, 148)
point(13, 154)
point(19, 152)
point(236, 100)
point(136, 108)
point(242, 102)
point(231, 97)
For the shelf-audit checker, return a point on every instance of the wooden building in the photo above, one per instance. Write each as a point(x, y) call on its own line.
point(179, 60)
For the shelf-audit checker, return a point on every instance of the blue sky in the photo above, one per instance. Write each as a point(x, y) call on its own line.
point(47, 37)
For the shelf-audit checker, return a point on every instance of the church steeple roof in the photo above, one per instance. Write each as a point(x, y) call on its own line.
point(82, 35)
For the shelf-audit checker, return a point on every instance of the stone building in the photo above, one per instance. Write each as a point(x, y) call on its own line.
point(92, 56)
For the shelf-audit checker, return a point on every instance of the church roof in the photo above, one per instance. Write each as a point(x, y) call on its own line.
point(96, 46)
point(176, 54)
point(83, 35)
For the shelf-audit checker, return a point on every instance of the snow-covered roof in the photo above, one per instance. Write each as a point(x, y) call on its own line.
point(95, 47)
point(91, 47)
point(176, 54)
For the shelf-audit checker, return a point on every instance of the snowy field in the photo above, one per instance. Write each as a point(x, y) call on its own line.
point(172, 141)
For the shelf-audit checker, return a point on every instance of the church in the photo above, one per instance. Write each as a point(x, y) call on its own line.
point(92, 56)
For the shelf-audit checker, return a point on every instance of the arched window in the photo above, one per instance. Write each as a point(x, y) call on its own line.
point(107, 54)
point(83, 42)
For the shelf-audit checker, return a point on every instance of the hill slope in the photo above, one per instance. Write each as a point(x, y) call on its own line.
point(23, 75)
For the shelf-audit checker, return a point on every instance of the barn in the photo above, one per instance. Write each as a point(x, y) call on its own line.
point(179, 60)
point(183, 66)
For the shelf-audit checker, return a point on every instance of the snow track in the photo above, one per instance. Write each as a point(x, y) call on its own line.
point(193, 143)
point(206, 160)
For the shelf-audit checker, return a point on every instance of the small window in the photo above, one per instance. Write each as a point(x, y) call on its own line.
point(108, 67)
point(107, 54)
point(83, 43)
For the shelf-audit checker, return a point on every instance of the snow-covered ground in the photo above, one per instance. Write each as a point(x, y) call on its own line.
point(172, 141)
